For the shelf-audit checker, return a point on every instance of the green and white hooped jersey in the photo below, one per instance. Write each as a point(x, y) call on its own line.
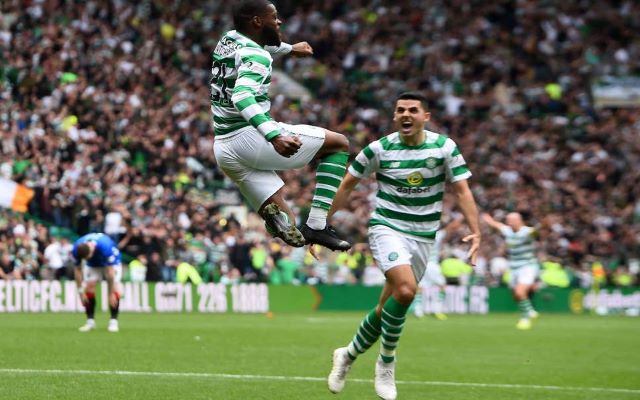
point(521, 247)
point(411, 181)
point(241, 74)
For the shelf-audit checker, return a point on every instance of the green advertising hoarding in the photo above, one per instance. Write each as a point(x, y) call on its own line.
point(56, 296)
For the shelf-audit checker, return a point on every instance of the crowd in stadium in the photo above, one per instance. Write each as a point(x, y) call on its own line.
point(104, 113)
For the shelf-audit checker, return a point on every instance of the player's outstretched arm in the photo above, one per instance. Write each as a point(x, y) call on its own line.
point(467, 205)
point(302, 49)
point(349, 182)
point(489, 220)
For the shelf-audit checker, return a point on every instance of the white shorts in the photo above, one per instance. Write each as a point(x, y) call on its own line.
point(95, 274)
point(250, 160)
point(523, 276)
point(390, 249)
point(433, 276)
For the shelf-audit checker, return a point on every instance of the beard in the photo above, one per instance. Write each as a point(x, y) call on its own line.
point(271, 36)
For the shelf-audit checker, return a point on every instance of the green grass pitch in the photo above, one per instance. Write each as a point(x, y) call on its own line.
point(232, 356)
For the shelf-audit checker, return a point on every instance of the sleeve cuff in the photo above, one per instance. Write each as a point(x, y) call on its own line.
point(355, 173)
point(285, 48)
point(461, 177)
point(271, 135)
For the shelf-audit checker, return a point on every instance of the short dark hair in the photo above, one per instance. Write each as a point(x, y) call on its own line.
point(83, 251)
point(244, 10)
point(414, 96)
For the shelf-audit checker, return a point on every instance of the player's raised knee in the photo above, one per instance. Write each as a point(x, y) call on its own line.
point(405, 293)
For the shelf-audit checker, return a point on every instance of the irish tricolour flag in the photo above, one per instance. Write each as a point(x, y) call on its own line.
point(14, 196)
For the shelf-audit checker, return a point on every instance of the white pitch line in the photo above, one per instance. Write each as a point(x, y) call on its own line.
point(306, 379)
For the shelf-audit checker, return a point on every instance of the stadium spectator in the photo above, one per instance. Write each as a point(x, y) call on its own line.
point(55, 258)
point(8, 268)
